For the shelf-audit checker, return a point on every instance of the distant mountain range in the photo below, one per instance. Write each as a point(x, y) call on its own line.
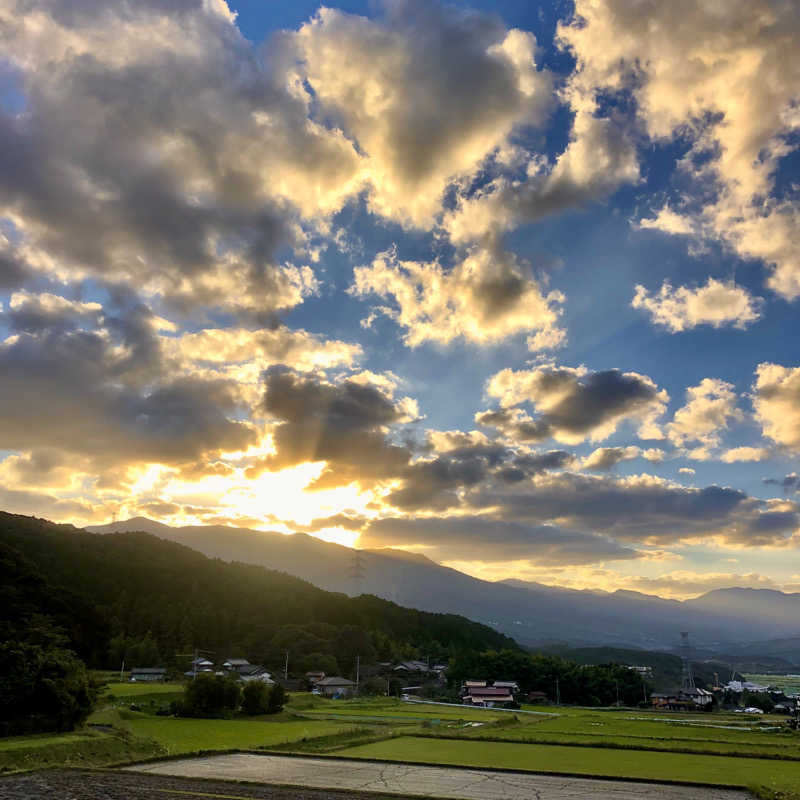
point(722, 621)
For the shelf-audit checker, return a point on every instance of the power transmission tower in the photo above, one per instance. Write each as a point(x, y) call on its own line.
point(687, 677)
point(358, 571)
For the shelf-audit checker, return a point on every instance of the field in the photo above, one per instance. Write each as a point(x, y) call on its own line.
point(721, 770)
point(786, 683)
point(726, 749)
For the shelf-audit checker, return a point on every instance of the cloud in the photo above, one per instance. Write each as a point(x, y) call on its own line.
point(725, 77)
point(599, 157)
point(604, 458)
point(487, 297)
point(427, 93)
point(689, 583)
point(716, 304)
point(117, 170)
point(738, 454)
point(789, 483)
point(343, 423)
point(490, 540)
point(640, 508)
point(710, 408)
point(98, 386)
point(686, 471)
point(776, 399)
point(572, 404)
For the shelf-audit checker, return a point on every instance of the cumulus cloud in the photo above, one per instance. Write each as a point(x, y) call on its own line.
point(104, 390)
point(776, 399)
point(117, 169)
point(716, 304)
point(344, 424)
point(724, 76)
point(486, 297)
point(427, 93)
point(491, 540)
point(709, 410)
point(604, 458)
point(737, 454)
point(572, 404)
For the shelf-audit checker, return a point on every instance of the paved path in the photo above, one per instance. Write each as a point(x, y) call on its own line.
point(444, 782)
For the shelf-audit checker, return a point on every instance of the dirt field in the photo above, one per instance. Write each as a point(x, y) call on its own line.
point(87, 785)
point(407, 779)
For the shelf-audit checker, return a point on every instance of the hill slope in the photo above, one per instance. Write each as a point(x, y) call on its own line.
point(531, 613)
point(146, 588)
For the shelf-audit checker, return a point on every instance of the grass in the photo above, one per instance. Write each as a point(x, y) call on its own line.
point(180, 735)
point(120, 690)
point(721, 770)
point(83, 749)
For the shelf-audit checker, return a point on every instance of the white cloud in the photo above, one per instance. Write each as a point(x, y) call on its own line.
point(427, 92)
point(710, 408)
point(725, 75)
point(716, 304)
point(604, 458)
point(486, 297)
point(776, 401)
point(737, 454)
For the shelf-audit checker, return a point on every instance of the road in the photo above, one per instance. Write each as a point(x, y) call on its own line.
point(407, 779)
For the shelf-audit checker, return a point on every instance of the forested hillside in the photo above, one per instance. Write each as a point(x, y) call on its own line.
point(141, 598)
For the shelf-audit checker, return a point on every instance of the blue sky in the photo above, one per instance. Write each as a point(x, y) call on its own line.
point(511, 285)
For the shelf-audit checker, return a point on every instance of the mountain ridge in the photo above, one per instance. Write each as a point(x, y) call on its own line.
point(529, 612)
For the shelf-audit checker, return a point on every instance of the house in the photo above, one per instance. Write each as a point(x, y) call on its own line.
point(314, 677)
point(148, 674)
point(537, 697)
point(233, 664)
point(474, 685)
point(254, 672)
point(682, 699)
point(488, 696)
point(199, 665)
point(335, 686)
point(512, 686)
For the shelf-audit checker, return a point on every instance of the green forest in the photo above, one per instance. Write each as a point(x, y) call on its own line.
point(136, 597)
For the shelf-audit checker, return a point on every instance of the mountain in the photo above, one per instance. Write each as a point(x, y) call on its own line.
point(530, 612)
point(156, 598)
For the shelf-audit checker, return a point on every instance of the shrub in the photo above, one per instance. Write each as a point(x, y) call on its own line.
point(277, 698)
point(210, 696)
point(255, 698)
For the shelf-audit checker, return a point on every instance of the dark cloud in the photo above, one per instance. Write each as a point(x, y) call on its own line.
point(789, 483)
point(573, 404)
point(107, 393)
point(643, 508)
point(490, 540)
point(342, 423)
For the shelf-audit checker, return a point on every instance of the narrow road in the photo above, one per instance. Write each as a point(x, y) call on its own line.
point(407, 779)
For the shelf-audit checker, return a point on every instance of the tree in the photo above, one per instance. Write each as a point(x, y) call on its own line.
point(210, 696)
point(277, 698)
point(255, 698)
point(43, 687)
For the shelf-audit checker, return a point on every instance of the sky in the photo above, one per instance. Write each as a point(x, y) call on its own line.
point(514, 286)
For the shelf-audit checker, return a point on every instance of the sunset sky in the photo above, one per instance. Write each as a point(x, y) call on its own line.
point(512, 286)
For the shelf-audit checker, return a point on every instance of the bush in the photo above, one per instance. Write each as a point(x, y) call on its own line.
point(210, 696)
point(43, 687)
point(255, 698)
point(277, 698)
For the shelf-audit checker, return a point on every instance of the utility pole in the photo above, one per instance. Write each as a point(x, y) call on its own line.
point(286, 667)
point(644, 689)
point(358, 671)
point(122, 671)
point(558, 693)
point(616, 683)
